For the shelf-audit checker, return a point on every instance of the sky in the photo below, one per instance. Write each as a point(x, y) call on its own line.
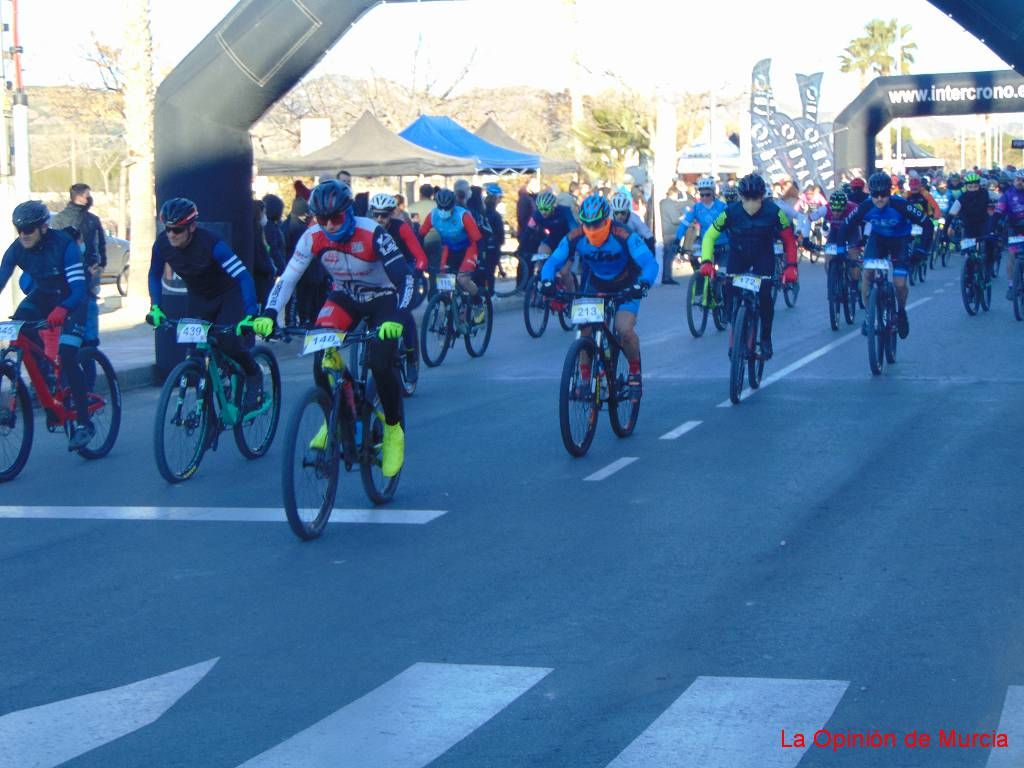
point(682, 45)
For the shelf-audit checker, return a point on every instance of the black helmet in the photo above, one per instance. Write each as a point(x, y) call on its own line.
point(730, 194)
point(444, 199)
point(751, 187)
point(178, 211)
point(879, 181)
point(330, 198)
point(30, 214)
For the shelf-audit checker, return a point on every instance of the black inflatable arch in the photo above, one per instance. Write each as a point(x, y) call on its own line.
point(886, 98)
point(204, 108)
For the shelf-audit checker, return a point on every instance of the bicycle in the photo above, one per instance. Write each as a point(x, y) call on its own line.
point(918, 257)
point(420, 287)
point(536, 307)
point(975, 278)
point(54, 396)
point(705, 297)
point(745, 354)
point(449, 315)
point(509, 274)
point(936, 254)
point(790, 291)
point(342, 422)
point(202, 397)
point(357, 361)
point(581, 396)
point(1015, 245)
point(880, 323)
point(842, 289)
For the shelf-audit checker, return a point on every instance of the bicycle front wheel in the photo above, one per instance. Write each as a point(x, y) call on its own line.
point(379, 489)
point(696, 307)
point(15, 423)
point(835, 291)
point(790, 292)
point(565, 316)
point(309, 468)
point(478, 336)
point(255, 432)
point(984, 277)
point(622, 413)
point(876, 327)
point(1018, 290)
point(738, 353)
point(104, 406)
point(968, 290)
point(579, 397)
point(182, 422)
point(535, 308)
point(436, 330)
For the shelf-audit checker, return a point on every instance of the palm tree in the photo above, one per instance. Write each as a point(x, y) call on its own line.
point(873, 50)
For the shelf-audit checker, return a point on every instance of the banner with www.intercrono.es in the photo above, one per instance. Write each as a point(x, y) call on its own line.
point(785, 147)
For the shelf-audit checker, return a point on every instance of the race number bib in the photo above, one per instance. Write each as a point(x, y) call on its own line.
point(314, 341)
point(1015, 240)
point(967, 243)
point(587, 311)
point(193, 331)
point(747, 282)
point(831, 250)
point(446, 282)
point(879, 264)
point(778, 249)
point(10, 331)
point(540, 257)
point(915, 230)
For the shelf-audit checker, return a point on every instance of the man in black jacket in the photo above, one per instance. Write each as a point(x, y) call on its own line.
point(76, 214)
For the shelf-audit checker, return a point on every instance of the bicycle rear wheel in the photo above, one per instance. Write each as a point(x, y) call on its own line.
point(420, 288)
point(834, 294)
point(254, 434)
point(718, 314)
point(737, 357)
point(891, 336)
point(309, 467)
point(535, 308)
point(984, 286)
point(182, 422)
point(968, 289)
point(15, 423)
point(508, 274)
point(478, 335)
point(379, 489)
point(1018, 290)
point(790, 292)
point(104, 406)
point(851, 301)
point(436, 330)
point(579, 398)
point(621, 413)
point(876, 331)
point(696, 308)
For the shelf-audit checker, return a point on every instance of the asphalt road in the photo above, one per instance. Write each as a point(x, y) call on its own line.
point(839, 551)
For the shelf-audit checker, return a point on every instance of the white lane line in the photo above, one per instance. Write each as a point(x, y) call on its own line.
point(611, 469)
point(767, 381)
point(218, 514)
point(681, 430)
point(939, 290)
point(733, 722)
point(1011, 722)
point(51, 734)
point(406, 723)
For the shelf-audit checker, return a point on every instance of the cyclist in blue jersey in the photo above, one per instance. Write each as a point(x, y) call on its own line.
point(624, 215)
point(703, 214)
point(613, 260)
point(891, 218)
point(548, 225)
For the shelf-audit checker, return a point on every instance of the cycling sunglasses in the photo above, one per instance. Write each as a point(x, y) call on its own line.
point(707, 194)
point(336, 219)
point(881, 194)
point(27, 230)
point(176, 230)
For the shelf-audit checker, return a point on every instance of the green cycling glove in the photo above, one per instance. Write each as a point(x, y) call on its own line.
point(264, 326)
point(390, 330)
point(156, 316)
point(245, 322)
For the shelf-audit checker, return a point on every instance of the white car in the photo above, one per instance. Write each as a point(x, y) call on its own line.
point(116, 271)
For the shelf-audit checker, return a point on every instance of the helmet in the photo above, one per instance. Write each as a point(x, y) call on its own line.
point(857, 182)
point(1019, 174)
point(972, 178)
point(382, 202)
point(837, 200)
point(461, 188)
point(914, 183)
point(546, 202)
point(177, 212)
point(926, 180)
point(621, 202)
point(730, 194)
point(31, 213)
point(594, 209)
point(751, 187)
point(444, 199)
point(705, 182)
point(879, 181)
point(954, 178)
point(330, 198)
point(493, 190)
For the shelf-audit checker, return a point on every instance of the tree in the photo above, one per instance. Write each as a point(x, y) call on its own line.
point(874, 50)
point(138, 108)
point(616, 125)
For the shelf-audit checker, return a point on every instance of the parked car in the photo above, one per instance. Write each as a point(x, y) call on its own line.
point(118, 251)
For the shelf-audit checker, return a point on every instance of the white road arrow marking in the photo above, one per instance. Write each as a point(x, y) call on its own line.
point(51, 734)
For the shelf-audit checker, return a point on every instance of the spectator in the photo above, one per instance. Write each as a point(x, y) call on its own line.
point(344, 176)
point(76, 214)
point(524, 209)
point(496, 239)
point(361, 204)
point(263, 269)
point(671, 209)
point(304, 308)
point(273, 232)
point(400, 210)
point(425, 204)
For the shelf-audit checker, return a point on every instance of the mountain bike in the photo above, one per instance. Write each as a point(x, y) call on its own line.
point(918, 256)
point(450, 314)
point(537, 307)
point(975, 277)
point(342, 422)
point(202, 397)
point(53, 393)
point(745, 354)
point(357, 361)
point(880, 323)
point(842, 289)
point(595, 372)
point(1015, 244)
point(705, 297)
point(510, 274)
point(790, 291)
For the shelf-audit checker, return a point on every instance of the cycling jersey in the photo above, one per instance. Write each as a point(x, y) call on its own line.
point(752, 238)
point(550, 229)
point(54, 265)
point(838, 232)
point(1011, 205)
point(705, 216)
point(407, 242)
point(892, 220)
point(924, 200)
point(206, 265)
point(972, 208)
point(955, 192)
point(459, 234)
point(367, 265)
point(943, 199)
point(622, 258)
point(635, 224)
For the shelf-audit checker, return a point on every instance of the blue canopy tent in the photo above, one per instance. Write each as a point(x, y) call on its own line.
point(442, 134)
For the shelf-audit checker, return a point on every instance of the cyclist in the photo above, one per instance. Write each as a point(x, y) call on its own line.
point(623, 215)
point(496, 238)
point(891, 218)
point(835, 213)
point(857, 194)
point(1011, 208)
point(753, 225)
point(613, 260)
point(730, 195)
point(972, 208)
point(384, 210)
point(371, 281)
point(54, 264)
point(548, 225)
point(460, 239)
point(922, 198)
point(703, 214)
point(220, 288)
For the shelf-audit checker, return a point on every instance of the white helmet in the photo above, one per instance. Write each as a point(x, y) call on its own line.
point(621, 202)
point(382, 202)
point(705, 182)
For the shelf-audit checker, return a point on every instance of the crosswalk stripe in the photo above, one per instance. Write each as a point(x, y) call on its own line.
point(734, 722)
point(51, 734)
point(218, 514)
point(406, 723)
point(1011, 722)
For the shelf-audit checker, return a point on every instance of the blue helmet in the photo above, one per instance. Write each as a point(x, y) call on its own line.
point(178, 212)
point(594, 209)
point(444, 199)
point(493, 190)
point(31, 213)
point(330, 197)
